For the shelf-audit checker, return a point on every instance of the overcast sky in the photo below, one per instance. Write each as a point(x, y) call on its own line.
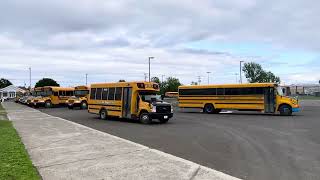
point(112, 40)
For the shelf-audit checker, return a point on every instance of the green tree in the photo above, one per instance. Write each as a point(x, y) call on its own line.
point(156, 80)
point(171, 84)
point(4, 83)
point(46, 82)
point(255, 74)
point(122, 80)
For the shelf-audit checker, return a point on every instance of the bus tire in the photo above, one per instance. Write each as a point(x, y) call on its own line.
point(48, 104)
point(70, 107)
point(285, 110)
point(103, 114)
point(208, 108)
point(145, 118)
point(83, 105)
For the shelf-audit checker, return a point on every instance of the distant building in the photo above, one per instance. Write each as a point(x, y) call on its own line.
point(10, 92)
point(305, 89)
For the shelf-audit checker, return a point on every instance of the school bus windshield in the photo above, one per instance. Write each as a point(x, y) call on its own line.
point(81, 92)
point(279, 91)
point(150, 97)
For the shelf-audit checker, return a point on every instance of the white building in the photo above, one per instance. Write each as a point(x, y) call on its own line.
point(10, 92)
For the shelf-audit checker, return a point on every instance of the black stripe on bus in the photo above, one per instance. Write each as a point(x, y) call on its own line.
point(106, 109)
point(106, 105)
point(220, 100)
point(238, 103)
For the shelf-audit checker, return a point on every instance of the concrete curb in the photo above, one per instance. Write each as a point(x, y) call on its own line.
point(61, 149)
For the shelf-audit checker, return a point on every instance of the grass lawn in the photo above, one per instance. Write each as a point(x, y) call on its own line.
point(14, 159)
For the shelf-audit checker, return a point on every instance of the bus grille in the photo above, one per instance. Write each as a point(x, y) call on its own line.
point(71, 101)
point(36, 100)
point(163, 109)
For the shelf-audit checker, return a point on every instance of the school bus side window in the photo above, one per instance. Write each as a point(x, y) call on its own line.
point(220, 91)
point(93, 93)
point(98, 94)
point(111, 94)
point(104, 93)
point(69, 93)
point(62, 93)
point(118, 93)
point(55, 93)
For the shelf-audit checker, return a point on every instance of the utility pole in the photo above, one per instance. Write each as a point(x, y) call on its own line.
point(145, 76)
point(199, 80)
point(149, 67)
point(86, 79)
point(30, 79)
point(240, 71)
point(162, 78)
point(208, 77)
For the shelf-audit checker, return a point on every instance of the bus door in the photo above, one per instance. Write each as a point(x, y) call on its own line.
point(126, 103)
point(269, 100)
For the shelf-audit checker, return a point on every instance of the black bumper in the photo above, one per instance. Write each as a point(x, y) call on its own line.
point(37, 104)
point(160, 115)
point(74, 104)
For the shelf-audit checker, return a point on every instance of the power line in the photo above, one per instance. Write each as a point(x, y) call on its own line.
point(199, 80)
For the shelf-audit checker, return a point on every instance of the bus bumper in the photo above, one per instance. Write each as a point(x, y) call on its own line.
point(38, 104)
point(296, 109)
point(161, 115)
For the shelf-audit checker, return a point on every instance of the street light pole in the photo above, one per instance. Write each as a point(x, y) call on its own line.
point(208, 77)
point(149, 67)
point(240, 71)
point(162, 78)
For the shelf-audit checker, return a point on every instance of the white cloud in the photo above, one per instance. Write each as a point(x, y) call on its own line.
point(111, 40)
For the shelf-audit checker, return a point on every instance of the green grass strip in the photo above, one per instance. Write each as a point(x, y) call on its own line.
point(15, 163)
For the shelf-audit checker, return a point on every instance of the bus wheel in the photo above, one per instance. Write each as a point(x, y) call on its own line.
point(48, 104)
point(208, 108)
point(285, 110)
point(103, 114)
point(84, 105)
point(70, 107)
point(145, 118)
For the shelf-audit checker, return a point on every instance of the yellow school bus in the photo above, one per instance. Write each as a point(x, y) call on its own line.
point(80, 98)
point(133, 100)
point(53, 95)
point(35, 93)
point(265, 97)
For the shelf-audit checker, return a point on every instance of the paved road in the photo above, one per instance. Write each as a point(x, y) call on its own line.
point(244, 145)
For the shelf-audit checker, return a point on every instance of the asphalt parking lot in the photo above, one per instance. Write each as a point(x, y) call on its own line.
point(244, 145)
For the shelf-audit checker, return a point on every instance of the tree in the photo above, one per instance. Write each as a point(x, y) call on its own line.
point(46, 82)
point(171, 84)
point(194, 83)
point(255, 74)
point(156, 80)
point(122, 80)
point(4, 83)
